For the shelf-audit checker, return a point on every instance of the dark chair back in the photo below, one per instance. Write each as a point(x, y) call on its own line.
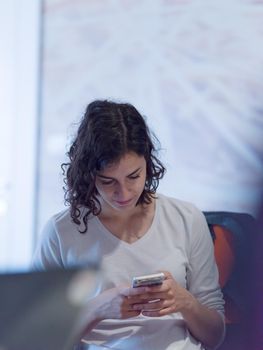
point(233, 235)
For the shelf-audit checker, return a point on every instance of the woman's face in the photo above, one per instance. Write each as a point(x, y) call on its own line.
point(121, 184)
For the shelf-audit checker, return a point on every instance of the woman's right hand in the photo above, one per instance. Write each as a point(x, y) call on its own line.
point(117, 303)
point(114, 303)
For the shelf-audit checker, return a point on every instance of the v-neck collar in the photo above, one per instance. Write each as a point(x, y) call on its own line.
point(139, 241)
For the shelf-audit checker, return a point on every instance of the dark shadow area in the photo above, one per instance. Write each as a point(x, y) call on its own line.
point(238, 250)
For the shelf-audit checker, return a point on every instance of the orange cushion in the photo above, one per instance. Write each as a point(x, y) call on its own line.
point(224, 253)
point(224, 249)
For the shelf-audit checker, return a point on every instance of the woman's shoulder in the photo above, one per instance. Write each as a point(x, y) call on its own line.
point(62, 224)
point(47, 253)
point(180, 209)
point(59, 224)
point(61, 217)
point(172, 203)
point(183, 214)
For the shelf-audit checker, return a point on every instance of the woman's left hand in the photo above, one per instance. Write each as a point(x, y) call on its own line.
point(164, 299)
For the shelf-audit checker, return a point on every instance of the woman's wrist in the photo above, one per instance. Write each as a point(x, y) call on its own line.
point(191, 306)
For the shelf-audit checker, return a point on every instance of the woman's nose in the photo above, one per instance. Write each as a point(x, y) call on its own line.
point(122, 191)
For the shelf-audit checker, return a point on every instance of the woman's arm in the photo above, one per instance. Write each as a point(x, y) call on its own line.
point(205, 324)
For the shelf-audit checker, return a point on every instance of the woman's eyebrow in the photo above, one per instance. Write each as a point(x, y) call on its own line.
point(105, 177)
point(112, 178)
point(135, 171)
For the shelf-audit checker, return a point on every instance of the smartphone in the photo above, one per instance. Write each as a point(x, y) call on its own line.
point(148, 280)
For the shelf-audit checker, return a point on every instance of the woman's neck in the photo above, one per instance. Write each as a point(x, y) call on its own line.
point(109, 213)
point(131, 225)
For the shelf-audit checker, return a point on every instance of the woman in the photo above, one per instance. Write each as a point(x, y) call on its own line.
point(111, 182)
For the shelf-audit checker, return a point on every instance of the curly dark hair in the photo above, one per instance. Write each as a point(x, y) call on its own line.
point(107, 131)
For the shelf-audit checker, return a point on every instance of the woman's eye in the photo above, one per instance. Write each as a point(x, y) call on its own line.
point(134, 177)
point(106, 182)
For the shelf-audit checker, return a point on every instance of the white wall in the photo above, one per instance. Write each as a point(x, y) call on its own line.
point(19, 90)
point(194, 68)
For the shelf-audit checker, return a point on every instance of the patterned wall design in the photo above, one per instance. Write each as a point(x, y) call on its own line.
point(193, 67)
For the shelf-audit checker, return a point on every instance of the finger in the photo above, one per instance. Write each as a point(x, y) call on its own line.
point(129, 292)
point(157, 305)
point(164, 288)
point(137, 300)
point(127, 308)
point(150, 296)
point(158, 313)
point(167, 274)
point(128, 303)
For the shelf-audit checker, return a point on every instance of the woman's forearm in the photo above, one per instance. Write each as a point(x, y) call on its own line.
point(87, 320)
point(205, 324)
point(114, 303)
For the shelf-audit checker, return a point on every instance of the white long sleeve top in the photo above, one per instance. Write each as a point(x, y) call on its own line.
point(178, 241)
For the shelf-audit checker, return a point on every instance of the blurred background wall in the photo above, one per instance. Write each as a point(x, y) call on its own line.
point(194, 68)
point(19, 101)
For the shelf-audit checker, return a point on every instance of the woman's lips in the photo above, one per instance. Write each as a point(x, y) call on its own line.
point(123, 203)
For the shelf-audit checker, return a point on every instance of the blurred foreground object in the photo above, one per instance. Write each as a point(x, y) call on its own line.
point(39, 310)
